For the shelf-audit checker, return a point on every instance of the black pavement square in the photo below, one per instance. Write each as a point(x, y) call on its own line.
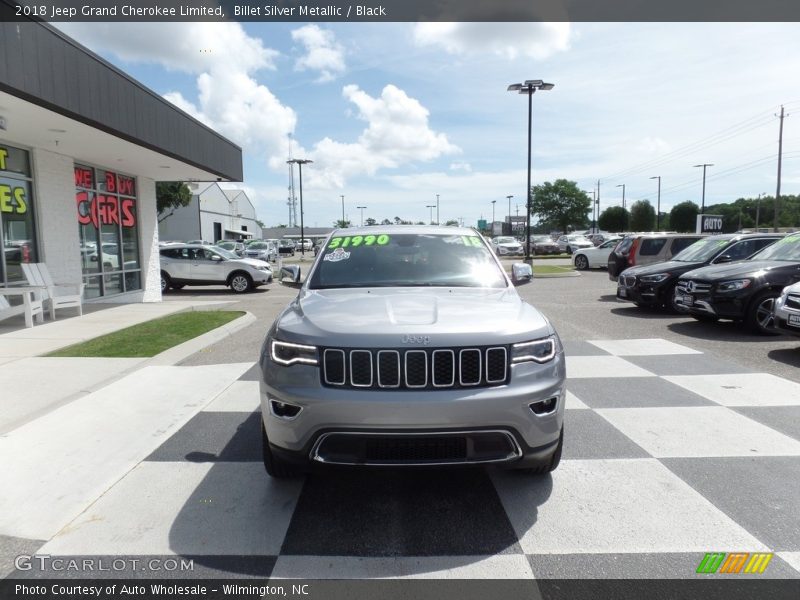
point(214, 437)
point(633, 392)
point(588, 435)
point(762, 494)
point(252, 374)
point(11, 547)
point(785, 419)
point(687, 364)
point(398, 512)
point(582, 348)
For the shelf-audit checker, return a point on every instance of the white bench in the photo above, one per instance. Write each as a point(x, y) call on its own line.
point(30, 307)
point(54, 295)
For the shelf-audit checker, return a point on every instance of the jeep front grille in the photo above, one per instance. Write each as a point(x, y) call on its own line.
point(435, 368)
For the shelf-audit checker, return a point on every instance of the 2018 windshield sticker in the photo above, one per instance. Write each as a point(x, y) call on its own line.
point(358, 240)
point(336, 256)
point(472, 240)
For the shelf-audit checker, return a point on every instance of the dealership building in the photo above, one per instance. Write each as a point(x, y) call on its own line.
point(82, 146)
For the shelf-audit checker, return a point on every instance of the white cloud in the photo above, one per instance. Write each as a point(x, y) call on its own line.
point(225, 60)
point(397, 133)
point(323, 52)
point(461, 166)
point(507, 40)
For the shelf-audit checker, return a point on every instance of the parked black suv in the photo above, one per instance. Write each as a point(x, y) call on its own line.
point(654, 285)
point(744, 291)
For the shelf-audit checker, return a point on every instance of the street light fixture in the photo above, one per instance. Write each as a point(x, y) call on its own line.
point(437, 209)
point(529, 87)
point(658, 210)
point(300, 162)
point(758, 208)
point(594, 219)
point(509, 208)
point(362, 214)
point(431, 206)
point(493, 203)
point(343, 220)
point(703, 206)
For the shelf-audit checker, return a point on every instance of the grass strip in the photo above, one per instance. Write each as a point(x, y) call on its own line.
point(151, 338)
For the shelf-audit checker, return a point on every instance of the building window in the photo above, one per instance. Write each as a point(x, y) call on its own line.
point(109, 233)
point(17, 222)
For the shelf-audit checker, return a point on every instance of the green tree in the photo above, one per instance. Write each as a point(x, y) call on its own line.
point(561, 202)
point(386, 222)
point(614, 218)
point(171, 195)
point(643, 216)
point(683, 217)
point(451, 222)
point(370, 222)
point(341, 224)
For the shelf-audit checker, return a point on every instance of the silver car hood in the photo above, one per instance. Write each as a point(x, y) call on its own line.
point(253, 262)
point(410, 317)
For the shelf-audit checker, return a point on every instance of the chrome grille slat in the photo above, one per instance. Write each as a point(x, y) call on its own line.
point(431, 368)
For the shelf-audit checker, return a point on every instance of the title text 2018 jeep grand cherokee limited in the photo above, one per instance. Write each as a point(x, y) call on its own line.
point(743, 291)
point(410, 346)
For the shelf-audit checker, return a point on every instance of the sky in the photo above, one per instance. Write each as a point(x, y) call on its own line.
point(392, 114)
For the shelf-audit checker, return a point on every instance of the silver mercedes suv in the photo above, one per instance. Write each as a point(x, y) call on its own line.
point(410, 346)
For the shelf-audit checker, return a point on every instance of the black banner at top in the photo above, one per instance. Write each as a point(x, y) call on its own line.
point(404, 10)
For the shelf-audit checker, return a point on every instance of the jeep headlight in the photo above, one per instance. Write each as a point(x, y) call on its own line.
point(540, 351)
point(285, 353)
point(733, 285)
point(655, 278)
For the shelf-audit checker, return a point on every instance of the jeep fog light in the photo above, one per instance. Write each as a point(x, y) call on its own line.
point(284, 410)
point(544, 407)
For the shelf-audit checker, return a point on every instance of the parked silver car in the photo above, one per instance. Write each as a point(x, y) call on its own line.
point(192, 264)
point(571, 243)
point(265, 251)
point(410, 346)
point(507, 246)
point(786, 310)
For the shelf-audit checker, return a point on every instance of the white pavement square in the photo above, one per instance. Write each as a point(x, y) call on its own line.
point(574, 403)
point(185, 508)
point(615, 506)
point(499, 566)
point(642, 347)
point(603, 366)
point(242, 396)
point(57, 465)
point(699, 431)
point(747, 389)
point(793, 558)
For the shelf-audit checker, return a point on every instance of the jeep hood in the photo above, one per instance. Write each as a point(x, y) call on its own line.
point(380, 317)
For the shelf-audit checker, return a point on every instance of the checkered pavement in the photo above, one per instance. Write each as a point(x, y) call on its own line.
point(669, 454)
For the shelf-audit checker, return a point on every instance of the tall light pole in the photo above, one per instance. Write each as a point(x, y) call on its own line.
point(529, 87)
point(594, 222)
point(362, 214)
point(658, 210)
point(343, 220)
point(758, 208)
point(622, 185)
point(437, 209)
point(300, 162)
point(493, 203)
point(431, 206)
point(703, 202)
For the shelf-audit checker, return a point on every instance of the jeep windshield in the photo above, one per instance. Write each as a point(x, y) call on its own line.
point(406, 260)
point(787, 249)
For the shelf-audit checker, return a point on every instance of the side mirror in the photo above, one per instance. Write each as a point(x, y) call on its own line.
point(216, 257)
point(290, 273)
point(724, 258)
point(521, 273)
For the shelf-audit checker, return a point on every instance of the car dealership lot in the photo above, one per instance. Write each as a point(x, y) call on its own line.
point(663, 415)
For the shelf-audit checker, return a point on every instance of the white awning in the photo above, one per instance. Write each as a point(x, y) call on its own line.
point(239, 232)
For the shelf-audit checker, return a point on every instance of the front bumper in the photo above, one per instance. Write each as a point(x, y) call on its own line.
point(631, 289)
point(431, 414)
point(787, 319)
point(728, 305)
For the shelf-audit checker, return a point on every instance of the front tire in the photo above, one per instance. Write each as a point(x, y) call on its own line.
point(759, 316)
point(241, 283)
point(569, 250)
point(274, 466)
point(166, 282)
point(581, 262)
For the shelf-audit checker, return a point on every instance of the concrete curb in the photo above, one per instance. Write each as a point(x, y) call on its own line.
point(556, 275)
point(183, 351)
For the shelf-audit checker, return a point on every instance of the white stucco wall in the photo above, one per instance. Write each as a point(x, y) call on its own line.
point(148, 242)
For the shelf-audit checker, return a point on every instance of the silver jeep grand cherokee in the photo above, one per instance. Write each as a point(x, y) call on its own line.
point(410, 346)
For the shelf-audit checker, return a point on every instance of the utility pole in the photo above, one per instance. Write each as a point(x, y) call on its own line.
point(597, 202)
point(758, 208)
point(343, 221)
point(622, 185)
point(509, 208)
point(437, 209)
point(658, 209)
point(361, 208)
point(780, 159)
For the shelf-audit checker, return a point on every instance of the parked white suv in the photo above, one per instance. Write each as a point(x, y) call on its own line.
point(195, 264)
